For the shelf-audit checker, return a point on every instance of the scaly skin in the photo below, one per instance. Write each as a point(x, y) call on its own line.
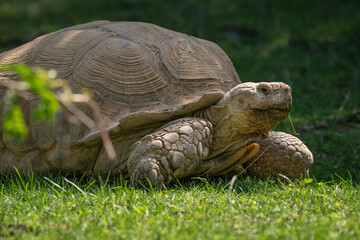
point(174, 151)
point(280, 153)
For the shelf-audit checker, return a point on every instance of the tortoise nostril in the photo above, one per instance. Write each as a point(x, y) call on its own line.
point(287, 90)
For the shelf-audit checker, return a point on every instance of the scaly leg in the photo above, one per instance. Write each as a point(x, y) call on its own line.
point(280, 153)
point(174, 151)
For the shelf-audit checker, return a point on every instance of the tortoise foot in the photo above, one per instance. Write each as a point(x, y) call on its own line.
point(280, 154)
point(147, 173)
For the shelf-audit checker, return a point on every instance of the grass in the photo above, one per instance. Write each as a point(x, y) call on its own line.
point(73, 208)
point(311, 45)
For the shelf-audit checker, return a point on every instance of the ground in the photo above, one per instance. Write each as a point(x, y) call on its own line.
point(311, 45)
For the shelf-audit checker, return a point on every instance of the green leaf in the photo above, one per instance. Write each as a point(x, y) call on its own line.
point(308, 180)
point(23, 70)
point(13, 123)
point(41, 84)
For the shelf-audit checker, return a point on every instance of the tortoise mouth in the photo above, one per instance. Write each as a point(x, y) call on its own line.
point(276, 114)
point(281, 107)
point(270, 110)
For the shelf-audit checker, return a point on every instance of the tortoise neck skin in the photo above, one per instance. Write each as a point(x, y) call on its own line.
point(246, 113)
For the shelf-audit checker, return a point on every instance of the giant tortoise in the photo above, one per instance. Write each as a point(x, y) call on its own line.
point(174, 107)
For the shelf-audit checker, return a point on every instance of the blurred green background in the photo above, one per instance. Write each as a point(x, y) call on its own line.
point(311, 45)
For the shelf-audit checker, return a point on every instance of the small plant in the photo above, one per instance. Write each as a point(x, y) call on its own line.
point(53, 94)
point(33, 82)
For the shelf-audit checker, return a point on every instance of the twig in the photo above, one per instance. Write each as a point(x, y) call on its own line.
point(97, 125)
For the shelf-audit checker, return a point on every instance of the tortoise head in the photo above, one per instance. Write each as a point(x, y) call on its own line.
point(273, 99)
point(248, 112)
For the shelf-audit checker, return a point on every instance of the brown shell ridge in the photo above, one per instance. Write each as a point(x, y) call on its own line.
point(142, 83)
point(166, 75)
point(157, 63)
point(169, 69)
point(74, 58)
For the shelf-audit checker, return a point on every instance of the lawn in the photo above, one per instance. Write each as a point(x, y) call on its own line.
point(313, 46)
point(69, 208)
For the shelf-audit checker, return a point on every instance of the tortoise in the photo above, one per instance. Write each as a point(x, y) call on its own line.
point(173, 103)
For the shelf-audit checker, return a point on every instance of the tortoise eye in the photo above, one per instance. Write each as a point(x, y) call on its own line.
point(264, 90)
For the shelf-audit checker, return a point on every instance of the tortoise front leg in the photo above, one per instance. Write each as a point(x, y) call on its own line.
point(174, 151)
point(280, 153)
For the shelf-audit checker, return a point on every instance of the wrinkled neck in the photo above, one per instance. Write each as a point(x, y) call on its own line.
point(232, 129)
point(214, 114)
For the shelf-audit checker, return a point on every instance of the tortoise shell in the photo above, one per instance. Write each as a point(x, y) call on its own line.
point(138, 74)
